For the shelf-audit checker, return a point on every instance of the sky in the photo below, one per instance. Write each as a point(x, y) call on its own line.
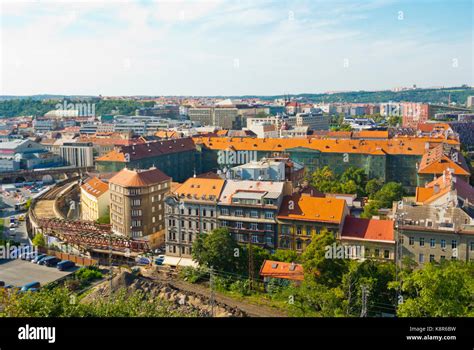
point(239, 47)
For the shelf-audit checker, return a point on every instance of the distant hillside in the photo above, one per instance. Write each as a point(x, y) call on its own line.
point(11, 106)
point(458, 95)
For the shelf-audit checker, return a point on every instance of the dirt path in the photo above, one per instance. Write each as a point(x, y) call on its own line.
point(250, 309)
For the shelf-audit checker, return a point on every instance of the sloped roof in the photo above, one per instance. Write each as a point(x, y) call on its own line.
point(149, 149)
point(407, 146)
point(307, 208)
point(95, 187)
point(368, 229)
point(200, 188)
point(139, 178)
point(278, 269)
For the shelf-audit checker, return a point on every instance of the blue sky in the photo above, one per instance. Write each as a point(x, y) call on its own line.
point(224, 47)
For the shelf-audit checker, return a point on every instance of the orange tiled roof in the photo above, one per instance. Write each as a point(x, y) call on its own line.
point(423, 194)
point(95, 187)
point(278, 269)
point(409, 146)
point(436, 162)
point(370, 134)
point(113, 156)
point(368, 229)
point(307, 208)
point(442, 184)
point(199, 187)
point(441, 165)
point(143, 178)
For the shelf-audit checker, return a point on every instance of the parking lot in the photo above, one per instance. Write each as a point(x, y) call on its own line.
point(19, 272)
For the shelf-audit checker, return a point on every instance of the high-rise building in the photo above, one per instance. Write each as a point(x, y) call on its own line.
point(137, 201)
point(470, 102)
point(80, 154)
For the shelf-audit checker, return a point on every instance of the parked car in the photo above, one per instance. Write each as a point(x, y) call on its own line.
point(38, 258)
point(159, 260)
point(2, 283)
point(31, 285)
point(50, 261)
point(65, 265)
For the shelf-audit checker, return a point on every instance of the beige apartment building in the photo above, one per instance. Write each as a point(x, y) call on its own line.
point(95, 199)
point(137, 201)
point(434, 234)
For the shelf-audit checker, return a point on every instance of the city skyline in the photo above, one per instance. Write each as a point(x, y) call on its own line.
point(229, 48)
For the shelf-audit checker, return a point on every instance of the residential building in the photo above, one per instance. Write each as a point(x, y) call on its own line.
point(414, 114)
point(431, 233)
point(447, 190)
point(78, 154)
point(281, 270)
point(394, 159)
point(225, 117)
point(436, 161)
point(374, 239)
point(268, 169)
point(190, 211)
point(137, 201)
point(177, 158)
point(249, 210)
point(301, 215)
point(95, 199)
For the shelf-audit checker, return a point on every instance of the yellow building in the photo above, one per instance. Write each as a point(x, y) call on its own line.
point(94, 199)
point(301, 216)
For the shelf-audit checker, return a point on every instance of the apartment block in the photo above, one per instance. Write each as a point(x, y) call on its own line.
point(191, 210)
point(137, 201)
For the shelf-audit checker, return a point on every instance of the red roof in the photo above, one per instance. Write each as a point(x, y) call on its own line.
point(278, 269)
point(368, 229)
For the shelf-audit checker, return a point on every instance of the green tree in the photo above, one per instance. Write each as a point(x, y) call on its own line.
point(390, 192)
point(445, 290)
point(318, 266)
point(285, 255)
point(323, 179)
point(219, 250)
point(39, 240)
point(370, 209)
point(372, 187)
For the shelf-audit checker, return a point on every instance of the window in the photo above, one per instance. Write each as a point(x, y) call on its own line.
point(299, 229)
point(386, 254)
point(204, 226)
point(308, 230)
point(204, 213)
point(471, 246)
point(225, 211)
point(136, 202)
point(432, 258)
point(422, 242)
point(254, 239)
point(212, 213)
point(268, 227)
point(454, 244)
point(254, 226)
point(137, 212)
point(411, 241)
point(239, 225)
point(239, 212)
point(421, 258)
point(223, 223)
point(268, 215)
point(136, 223)
point(254, 214)
point(443, 243)
point(189, 211)
point(432, 242)
point(377, 252)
